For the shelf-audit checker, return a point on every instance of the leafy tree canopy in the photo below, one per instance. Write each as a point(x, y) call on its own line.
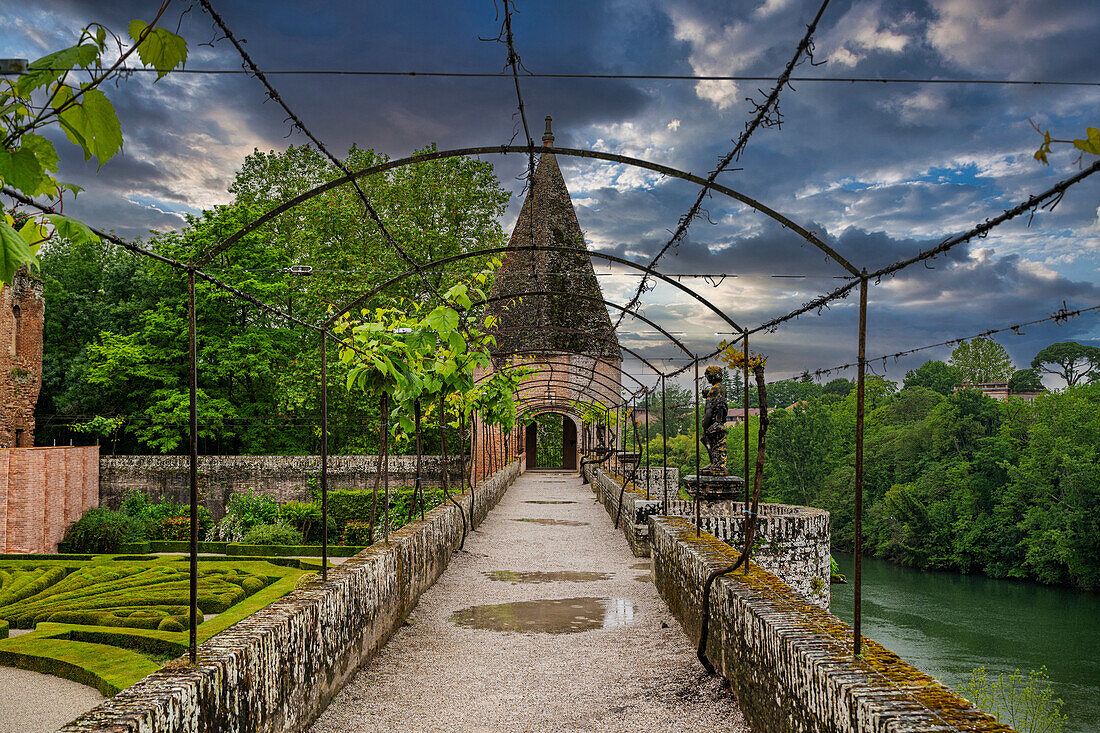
point(1025, 380)
point(115, 331)
point(934, 375)
point(981, 360)
point(1069, 360)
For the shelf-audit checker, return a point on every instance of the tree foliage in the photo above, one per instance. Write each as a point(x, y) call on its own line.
point(955, 482)
point(934, 375)
point(981, 360)
point(1069, 360)
point(1025, 380)
point(115, 336)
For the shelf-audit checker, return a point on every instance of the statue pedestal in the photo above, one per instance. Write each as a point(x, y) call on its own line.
point(715, 488)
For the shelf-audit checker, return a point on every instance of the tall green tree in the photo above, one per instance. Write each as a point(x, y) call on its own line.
point(1025, 380)
point(128, 358)
point(1069, 360)
point(982, 360)
point(934, 375)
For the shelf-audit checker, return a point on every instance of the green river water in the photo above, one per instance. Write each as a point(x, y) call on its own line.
point(946, 624)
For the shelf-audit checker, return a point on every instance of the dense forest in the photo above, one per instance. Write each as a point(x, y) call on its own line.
point(953, 479)
point(115, 336)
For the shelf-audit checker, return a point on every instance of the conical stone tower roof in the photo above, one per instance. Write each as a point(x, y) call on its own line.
point(548, 219)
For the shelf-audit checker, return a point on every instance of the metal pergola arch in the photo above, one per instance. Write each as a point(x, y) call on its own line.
point(486, 251)
point(786, 222)
point(587, 334)
point(552, 372)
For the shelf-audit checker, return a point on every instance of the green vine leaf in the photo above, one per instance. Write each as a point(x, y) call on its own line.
point(161, 49)
point(22, 170)
point(93, 125)
point(14, 252)
point(50, 68)
point(75, 231)
point(1091, 144)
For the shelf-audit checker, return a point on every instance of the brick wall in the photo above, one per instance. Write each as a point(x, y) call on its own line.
point(43, 490)
point(21, 313)
point(284, 478)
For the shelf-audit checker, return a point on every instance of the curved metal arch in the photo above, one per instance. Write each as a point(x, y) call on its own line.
point(581, 296)
point(564, 351)
point(504, 150)
point(546, 384)
point(531, 248)
point(564, 329)
point(605, 381)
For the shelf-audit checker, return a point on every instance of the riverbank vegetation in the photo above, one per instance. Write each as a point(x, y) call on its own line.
point(953, 481)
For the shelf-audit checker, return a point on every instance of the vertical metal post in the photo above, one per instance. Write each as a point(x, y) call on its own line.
point(386, 467)
point(648, 405)
point(745, 412)
point(857, 581)
point(698, 479)
point(324, 457)
point(418, 489)
point(444, 475)
point(664, 444)
point(193, 469)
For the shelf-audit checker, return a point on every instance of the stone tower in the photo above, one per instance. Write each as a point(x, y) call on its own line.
point(550, 310)
point(21, 315)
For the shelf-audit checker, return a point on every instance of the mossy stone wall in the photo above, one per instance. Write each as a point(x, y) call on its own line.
point(789, 661)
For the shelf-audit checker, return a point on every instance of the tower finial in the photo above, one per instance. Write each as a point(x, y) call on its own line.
point(548, 136)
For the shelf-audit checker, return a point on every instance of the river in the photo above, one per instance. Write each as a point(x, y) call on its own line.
point(946, 624)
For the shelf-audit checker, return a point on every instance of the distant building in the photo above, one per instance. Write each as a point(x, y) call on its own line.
point(736, 415)
point(21, 314)
point(998, 391)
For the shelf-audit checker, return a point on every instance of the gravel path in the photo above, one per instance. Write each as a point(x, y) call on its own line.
point(39, 703)
point(636, 673)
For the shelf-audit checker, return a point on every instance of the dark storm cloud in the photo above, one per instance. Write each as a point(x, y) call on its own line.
point(880, 171)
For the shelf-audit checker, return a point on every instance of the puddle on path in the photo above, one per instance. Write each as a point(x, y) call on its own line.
point(539, 576)
point(640, 565)
point(550, 616)
point(548, 521)
point(549, 501)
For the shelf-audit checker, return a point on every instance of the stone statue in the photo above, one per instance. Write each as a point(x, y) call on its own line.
point(714, 423)
point(601, 438)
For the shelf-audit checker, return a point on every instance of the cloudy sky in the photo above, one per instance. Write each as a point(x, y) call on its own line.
point(878, 170)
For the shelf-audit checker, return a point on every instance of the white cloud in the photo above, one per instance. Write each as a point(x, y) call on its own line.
point(996, 34)
point(863, 29)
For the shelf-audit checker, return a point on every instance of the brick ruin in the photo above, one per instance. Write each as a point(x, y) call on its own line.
point(550, 314)
point(21, 315)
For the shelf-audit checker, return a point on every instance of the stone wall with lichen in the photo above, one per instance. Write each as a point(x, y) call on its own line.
point(283, 478)
point(789, 661)
point(277, 669)
point(791, 541)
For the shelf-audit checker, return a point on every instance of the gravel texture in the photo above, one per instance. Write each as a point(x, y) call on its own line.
point(437, 676)
point(39, 703)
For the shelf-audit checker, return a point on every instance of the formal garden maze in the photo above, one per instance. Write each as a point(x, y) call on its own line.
point(110, 620)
